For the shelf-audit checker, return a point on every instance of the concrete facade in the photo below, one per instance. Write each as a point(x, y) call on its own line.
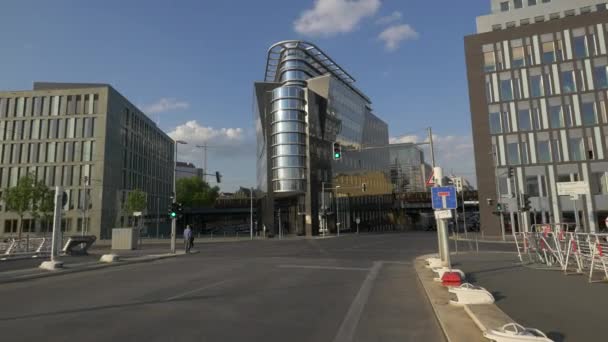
point(91, 140)
point(538, 106)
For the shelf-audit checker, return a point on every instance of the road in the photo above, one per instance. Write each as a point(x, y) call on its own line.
point(351, 288)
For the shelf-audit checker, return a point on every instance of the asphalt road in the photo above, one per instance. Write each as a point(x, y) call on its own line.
point(352, 288)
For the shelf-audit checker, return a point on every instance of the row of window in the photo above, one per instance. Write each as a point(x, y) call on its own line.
point(62, 175)
point(42, 129)
point(581, 43)
point(559, 116)
point(506, 5)
point(30, 226)
point(536, 185)
point(51, 152)
point(549, 151)
point(537, 84)
point(49, 105)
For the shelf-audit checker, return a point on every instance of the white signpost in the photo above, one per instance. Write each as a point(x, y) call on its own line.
point(574, 190)
point(443, 214)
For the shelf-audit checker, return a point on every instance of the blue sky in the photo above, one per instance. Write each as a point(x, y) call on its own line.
point(191, 64)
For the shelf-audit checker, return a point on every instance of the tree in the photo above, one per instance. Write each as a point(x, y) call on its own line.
point(46, 202)
point(19, 199)
point(194, 192)
point(136, 201)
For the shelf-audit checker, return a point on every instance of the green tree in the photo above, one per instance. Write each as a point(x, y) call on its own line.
point(194, 192)
point(46, 203)
point(19, 199)
point(136, 201)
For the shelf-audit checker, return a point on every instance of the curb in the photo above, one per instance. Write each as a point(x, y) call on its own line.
point(83, 267)
point(481, 241)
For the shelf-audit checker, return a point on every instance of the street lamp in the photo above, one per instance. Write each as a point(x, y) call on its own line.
point(174, 220)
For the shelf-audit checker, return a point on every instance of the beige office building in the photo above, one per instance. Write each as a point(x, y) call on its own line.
point(93, 142)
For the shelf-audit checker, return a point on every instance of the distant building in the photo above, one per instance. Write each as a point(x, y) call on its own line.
point(93, 142)
point(407, 168)
point(187, 170)
point(538, 84)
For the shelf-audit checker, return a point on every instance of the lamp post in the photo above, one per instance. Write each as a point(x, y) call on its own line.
point(174, 220)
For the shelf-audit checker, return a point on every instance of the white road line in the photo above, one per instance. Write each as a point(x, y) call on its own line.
point(319, 267)
point(351, 320)
point(197, 290)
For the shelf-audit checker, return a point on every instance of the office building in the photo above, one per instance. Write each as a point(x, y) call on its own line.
point(305, 104)
point(537, 72)
point(408, 170)
point(187, 170)
point(93, 142)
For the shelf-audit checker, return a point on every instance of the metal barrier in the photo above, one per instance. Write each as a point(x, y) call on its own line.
point(557, 248)
point(25, 247)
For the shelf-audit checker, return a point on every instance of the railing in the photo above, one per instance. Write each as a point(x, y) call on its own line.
point(25, 247)
point(570, 252)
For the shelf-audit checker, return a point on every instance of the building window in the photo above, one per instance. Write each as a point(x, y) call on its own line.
point(570, 13)
point(576, 149)
point(495, 126)
point(506, 90)
point(489, 61)
point(598, 183)
point(504, 6)
point(536, 119)
point(531, 2)
point(532, 188)
point(554, 16)
point(548, 52)
point(601, 81)
point(506, 122)
point(546, 1)
point(544, 152)
point(589, 114)
point(556, 151)
point(585, 9)
point(523, 118)
point(518, 3)
point(536, 86)
point(580, 47)
point(539, 19)
point(568, 82)
point(10, 226)
point(524, 153)
point(518, 57)
point(513, 154)
point(556, 119)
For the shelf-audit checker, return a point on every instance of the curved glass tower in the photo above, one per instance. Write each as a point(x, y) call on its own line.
point(305, 104)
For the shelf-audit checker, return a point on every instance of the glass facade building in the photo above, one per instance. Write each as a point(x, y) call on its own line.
point(305, 104)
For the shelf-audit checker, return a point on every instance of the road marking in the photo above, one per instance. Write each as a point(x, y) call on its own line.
point(197, 290)
point(319, 267)
point(351, 320)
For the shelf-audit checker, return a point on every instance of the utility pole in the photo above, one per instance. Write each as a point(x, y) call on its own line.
point(251, 215)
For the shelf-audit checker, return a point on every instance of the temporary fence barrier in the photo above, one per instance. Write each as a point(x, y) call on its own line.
point(554, 246)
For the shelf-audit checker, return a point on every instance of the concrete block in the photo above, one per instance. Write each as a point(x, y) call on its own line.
point(109, 258)
point(51, 265)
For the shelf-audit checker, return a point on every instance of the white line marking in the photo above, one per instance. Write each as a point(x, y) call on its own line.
point(199, 289)
point(351, 320)
point(318, 267)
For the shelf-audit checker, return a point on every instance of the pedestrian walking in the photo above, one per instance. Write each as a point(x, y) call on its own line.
point(188, 238)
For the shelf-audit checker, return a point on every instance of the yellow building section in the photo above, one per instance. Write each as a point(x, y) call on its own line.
point(378, 183)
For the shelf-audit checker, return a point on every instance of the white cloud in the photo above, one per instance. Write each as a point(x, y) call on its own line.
point(396, 34)
point(223, 142)
point(391, 18)
point(454, 153)
point(330, 17)
point(165, 105)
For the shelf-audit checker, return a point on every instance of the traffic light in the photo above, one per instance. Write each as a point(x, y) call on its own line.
point(363, 187)
point(180, 210)
point(337, 151)
point(218, 177)
point(511, 172)
point(499, 207)
point(173, 211)
point(525, 203)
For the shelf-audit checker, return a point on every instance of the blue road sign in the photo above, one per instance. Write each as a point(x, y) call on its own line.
point(444, 197)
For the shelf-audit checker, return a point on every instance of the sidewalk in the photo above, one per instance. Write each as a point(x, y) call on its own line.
point(566, 308)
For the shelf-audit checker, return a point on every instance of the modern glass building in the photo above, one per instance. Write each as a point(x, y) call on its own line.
point(537, 75)
point(305, 104)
